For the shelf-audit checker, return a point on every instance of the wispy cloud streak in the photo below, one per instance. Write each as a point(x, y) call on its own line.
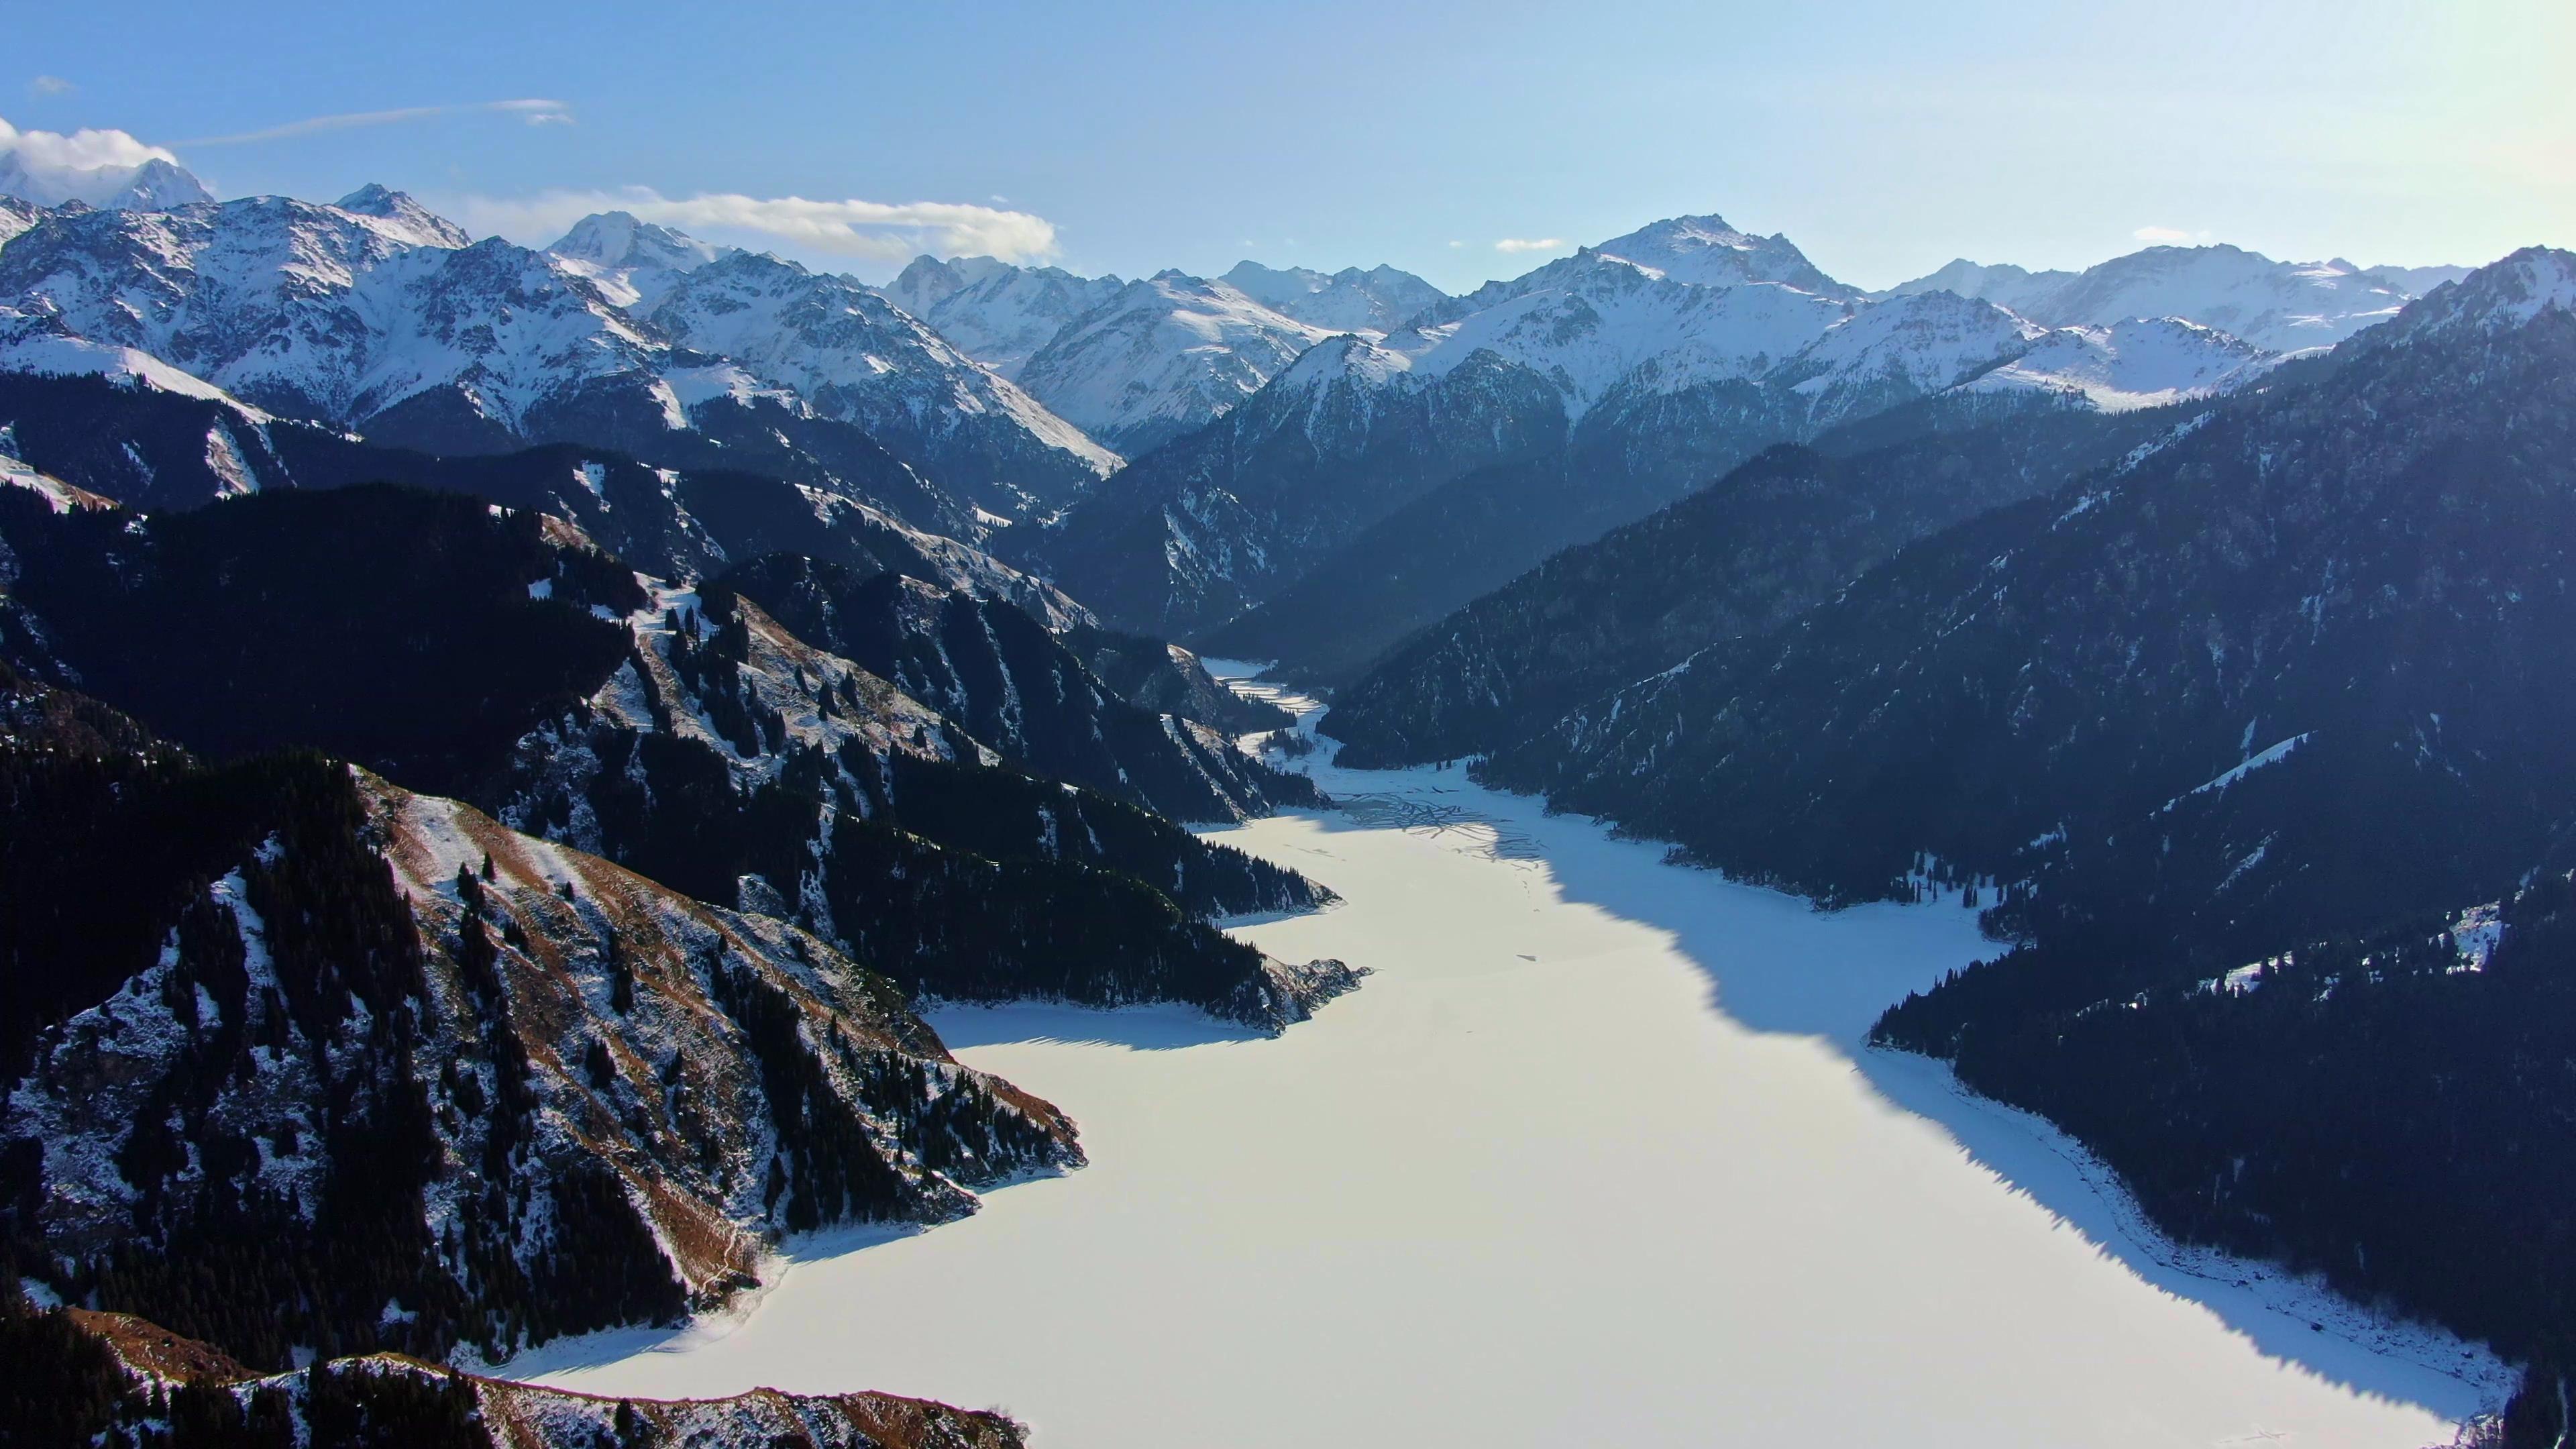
point(537, 111)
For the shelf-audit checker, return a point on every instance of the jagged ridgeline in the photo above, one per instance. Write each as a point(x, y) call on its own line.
point(693, 508)
point(481, 653)
point(1012, 685)
point(305, 1060)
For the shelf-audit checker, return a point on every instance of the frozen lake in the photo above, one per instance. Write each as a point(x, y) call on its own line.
point(1595, 1157)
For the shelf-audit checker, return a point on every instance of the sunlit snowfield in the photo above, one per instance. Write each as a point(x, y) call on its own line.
point(1595, 1157)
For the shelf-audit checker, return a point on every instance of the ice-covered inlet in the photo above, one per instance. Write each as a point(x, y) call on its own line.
point(1592, 1159)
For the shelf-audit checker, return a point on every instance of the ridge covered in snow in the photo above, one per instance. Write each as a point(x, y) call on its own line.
point(1162, 357)
point(374, 314)
point(2284, 306)
point(120, 173)
point(1379, 299)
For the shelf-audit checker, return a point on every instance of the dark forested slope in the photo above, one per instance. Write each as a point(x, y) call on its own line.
point(715, 751)
point(1745, 554)
point(301, 1059)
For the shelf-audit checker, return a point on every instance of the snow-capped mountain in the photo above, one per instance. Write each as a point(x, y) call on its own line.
point(372, 314)
point(1138, 363)
point(992, 311)
point(633, 261)
point(149, 185)
point(1698, 251)
point(2285, 306)
point(1162, 357)
point(1379, 299)
point(852, 355)
point(1594, 320)
point(1705, 251)
point(376, 315)
point(2145, 362)
point(1494, 428)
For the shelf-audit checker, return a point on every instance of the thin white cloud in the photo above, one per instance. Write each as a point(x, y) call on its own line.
point(1531, 244)
point(2161, 234)
point(50, 85)
point(535, 109)
point(549, 118)
point(872, 230)
point(1457, 244)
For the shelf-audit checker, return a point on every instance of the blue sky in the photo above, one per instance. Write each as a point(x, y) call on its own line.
point(1883, 139)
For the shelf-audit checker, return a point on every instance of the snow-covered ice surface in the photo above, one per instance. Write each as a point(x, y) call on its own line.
point(1593, 1158)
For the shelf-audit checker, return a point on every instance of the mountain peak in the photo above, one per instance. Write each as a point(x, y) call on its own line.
point(1377, 299)
point(621, 239)
point(413, 221)
point(153, 184)
point(2498, 297)
point(1705, 251)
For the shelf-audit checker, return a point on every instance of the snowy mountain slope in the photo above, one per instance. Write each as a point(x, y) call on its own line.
point(853, 356)
point(369, 316)
point(406, 218)
point(2284, 306)
point(16, 215)
point(2146, 362)
point(1162, 357)
point(1901, 349)
point(994, 312)
point(1137, 363)
point(1593, 321)
point(37, 343)
point(1379, 299)
point(376, 315)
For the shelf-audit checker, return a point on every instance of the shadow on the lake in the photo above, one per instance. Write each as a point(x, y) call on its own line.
point(1163, 1027)
point(1775, 964)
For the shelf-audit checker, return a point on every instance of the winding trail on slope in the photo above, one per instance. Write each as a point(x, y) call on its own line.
point(1594, 1157)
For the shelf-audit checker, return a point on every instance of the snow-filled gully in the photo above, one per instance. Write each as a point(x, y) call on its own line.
point(1594, 1157)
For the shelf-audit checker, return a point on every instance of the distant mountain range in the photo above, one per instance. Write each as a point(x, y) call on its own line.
point(1380, 482)
point(2283, 306)
point(1139, 363)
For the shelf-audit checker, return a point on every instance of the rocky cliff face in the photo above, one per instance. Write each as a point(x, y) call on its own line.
point(476, 1088)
